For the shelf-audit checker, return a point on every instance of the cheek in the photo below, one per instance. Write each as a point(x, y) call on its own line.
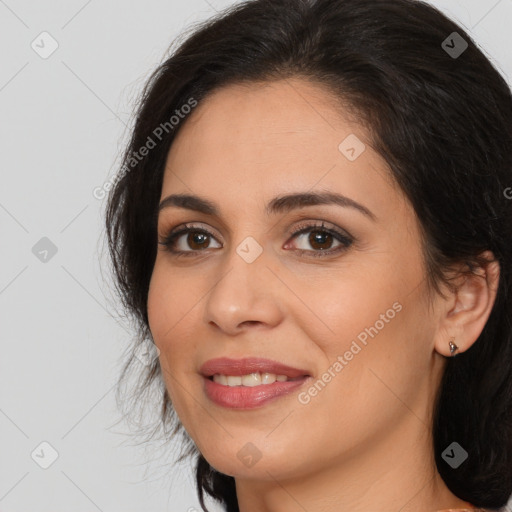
point(170, 302)
point(374, 319)
point(345, 306)
point(174, 314)
point(164, 309)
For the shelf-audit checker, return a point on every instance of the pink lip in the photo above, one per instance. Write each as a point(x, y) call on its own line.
point(227, 366)
point(244, 397)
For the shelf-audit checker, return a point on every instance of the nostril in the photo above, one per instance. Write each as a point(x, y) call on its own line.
point(250, 322)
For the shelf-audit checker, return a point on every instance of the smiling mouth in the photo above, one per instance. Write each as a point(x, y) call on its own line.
point(250, 390)
point(252, 379)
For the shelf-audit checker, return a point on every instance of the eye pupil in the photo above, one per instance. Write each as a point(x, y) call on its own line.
point(318, 238)
point(194, 236)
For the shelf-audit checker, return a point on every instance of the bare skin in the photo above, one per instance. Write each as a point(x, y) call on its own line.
point(363, 443)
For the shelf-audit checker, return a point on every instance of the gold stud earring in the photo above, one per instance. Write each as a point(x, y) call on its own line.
point(453, 347)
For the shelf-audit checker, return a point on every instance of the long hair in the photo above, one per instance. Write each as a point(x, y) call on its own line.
point(438, 112)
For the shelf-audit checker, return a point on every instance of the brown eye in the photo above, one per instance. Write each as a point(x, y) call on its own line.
point(197, 240)
point(321, 239)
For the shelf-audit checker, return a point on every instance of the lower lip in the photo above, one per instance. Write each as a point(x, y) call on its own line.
point(245, 397)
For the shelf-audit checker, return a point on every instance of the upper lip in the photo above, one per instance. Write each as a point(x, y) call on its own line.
point(227, 366)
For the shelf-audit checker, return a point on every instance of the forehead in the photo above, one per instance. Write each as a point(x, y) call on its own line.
point(289, 112)
point(261, 139)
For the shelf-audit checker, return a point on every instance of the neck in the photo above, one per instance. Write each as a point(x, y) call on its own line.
point(378, 478)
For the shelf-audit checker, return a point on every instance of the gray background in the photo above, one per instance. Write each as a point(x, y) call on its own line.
point(63, 122)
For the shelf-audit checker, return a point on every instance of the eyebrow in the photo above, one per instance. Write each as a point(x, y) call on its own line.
point(280, 204)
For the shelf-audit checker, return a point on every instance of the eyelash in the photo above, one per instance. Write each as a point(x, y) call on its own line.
point(346, 241)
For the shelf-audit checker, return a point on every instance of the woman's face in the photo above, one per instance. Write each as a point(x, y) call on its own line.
point(345, 304)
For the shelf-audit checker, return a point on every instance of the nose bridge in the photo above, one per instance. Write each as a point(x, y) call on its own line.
point(242, 293)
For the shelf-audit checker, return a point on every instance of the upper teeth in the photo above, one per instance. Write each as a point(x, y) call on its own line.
point(252, 379)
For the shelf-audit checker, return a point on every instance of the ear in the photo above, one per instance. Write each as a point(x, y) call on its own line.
point(467, 309)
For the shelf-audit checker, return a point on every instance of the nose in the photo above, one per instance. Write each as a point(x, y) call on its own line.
point(245, 294)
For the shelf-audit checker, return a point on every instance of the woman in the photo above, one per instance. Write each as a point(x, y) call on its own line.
point(312, 226)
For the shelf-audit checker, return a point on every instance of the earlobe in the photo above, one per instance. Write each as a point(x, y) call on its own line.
point(472, 303)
